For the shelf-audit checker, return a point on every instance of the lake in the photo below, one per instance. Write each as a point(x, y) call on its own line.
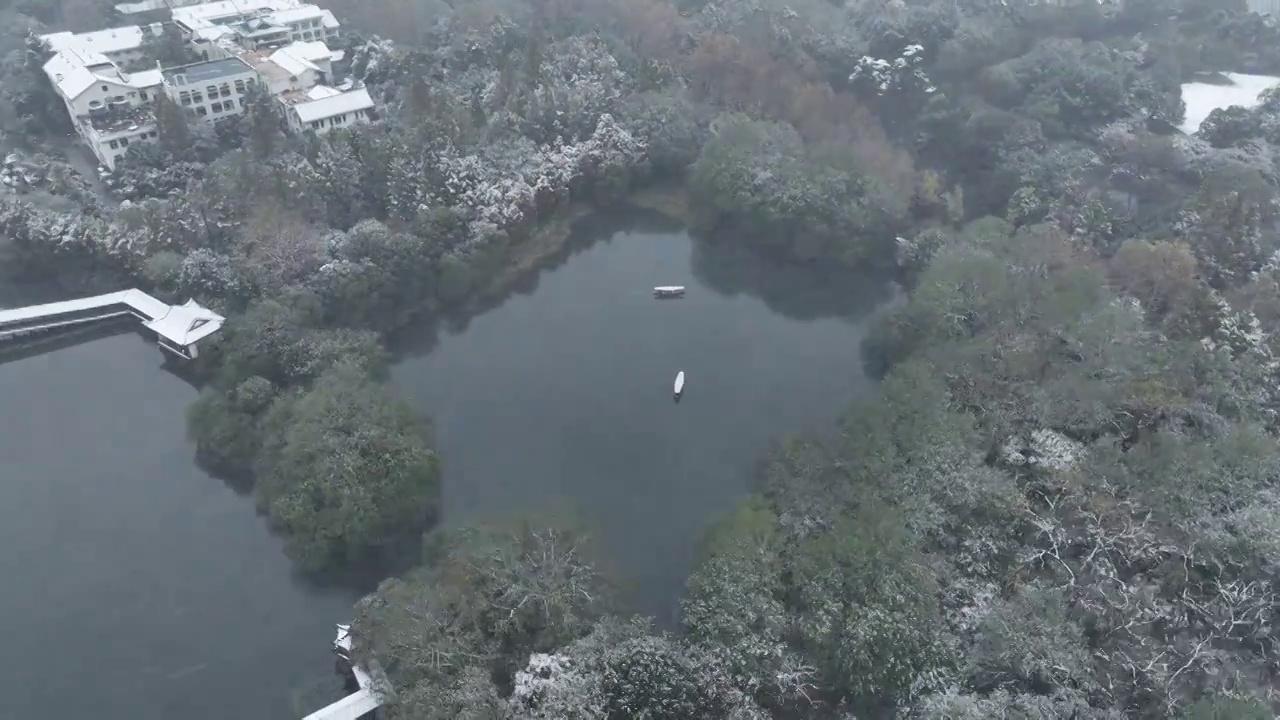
point(562, 396)
point(135, 585)
point(138, 587)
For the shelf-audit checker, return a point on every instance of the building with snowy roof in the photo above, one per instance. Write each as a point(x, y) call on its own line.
point(279, 44)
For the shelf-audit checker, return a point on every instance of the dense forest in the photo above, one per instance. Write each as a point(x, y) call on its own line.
point(1063, 500)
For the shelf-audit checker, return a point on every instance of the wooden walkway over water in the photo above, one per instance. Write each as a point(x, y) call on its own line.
point(177, 327)
point(374, 688)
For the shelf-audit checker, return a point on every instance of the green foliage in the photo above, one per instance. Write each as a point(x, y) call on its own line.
point(172, 129)
point(1229, 709)
point(345, 470)
point(225, 426)
point(756, 180)
point(1059, 503)
point(866, 605)
point(491, 596)
point(279, 343)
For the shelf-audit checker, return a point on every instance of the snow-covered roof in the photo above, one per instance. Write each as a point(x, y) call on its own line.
point(69, 77)
point(304, 12)
point(210, 14)
point(72, 79)
point(314, 51)
point(186, 324)
point(292, 64)
point(223, 9)
point(331, 105)
point(142, 6)
point(294, 60)
point(93, 47)
point(321, 92)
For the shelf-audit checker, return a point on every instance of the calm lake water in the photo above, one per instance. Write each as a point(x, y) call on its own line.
point(562, 396)
point(137, 587)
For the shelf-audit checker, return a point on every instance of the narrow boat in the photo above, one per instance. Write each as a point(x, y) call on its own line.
point(679, 387)
point(668, 291)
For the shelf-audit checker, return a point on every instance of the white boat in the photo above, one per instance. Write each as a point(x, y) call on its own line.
point(668, 291)
point(679, 387)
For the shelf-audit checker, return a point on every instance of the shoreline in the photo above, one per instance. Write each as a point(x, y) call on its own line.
point(551, 237)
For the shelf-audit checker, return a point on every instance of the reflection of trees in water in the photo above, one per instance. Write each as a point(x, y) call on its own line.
point(60, 339)
point(22, 348)
point(802, 292)
point(586, 233)
point(805, 291)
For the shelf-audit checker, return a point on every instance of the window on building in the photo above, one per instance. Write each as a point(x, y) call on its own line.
point(225, 90)
point(104, 88)
point(316, 124)
point(153, 134)
point(133, 94)
point(240, 86)
point(212, 90)
point(113, 144)
point(124, 142)
point(142, 95)
point(230, 104)
point(201, 111)
point(216, 107)
point(197, 98)
point(185, 98)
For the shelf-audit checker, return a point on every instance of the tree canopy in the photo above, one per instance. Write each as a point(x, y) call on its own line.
point(1060, 501)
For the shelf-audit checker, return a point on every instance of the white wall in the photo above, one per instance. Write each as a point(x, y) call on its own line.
point(279, 82)
point(103, 91)
point(358, 117)
point(226, 101)
point(101, 143)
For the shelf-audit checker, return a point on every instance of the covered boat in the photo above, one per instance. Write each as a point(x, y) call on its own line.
point(668, 291)
point(679, 386)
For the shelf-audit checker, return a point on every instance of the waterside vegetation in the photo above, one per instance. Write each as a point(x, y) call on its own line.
point(1062, 500)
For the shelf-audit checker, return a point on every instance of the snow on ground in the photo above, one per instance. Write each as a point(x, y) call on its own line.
point(1204, 98)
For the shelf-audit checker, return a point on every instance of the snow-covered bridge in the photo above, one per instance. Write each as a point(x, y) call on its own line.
point(374, 688)
point(178, 327)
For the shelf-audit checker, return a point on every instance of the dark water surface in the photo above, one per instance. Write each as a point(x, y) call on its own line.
point(562, 396)
point(134, 586)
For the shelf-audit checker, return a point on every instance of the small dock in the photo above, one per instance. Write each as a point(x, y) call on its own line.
point(177, 327)
point(374, 688)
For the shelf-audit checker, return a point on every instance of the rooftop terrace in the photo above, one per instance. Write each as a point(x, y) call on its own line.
point(122, 120)
point(209, 71)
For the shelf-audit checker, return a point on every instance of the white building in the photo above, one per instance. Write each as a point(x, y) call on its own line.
point(278, 43)
point(141, 7)
point(324, 108)
point(253, 24)
point(300, 66)
point(86, 89)
point(211, 90)
point(109, 107)
point(109, 136)
point(119, 45)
